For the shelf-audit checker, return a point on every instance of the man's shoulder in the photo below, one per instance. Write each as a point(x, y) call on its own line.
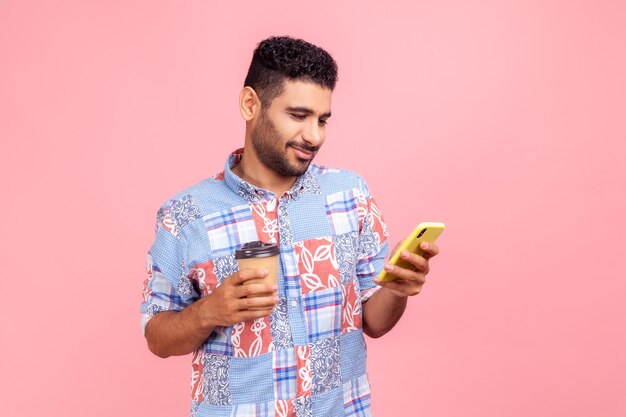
point(323, 172)
point(207, 196)
point(338, 179)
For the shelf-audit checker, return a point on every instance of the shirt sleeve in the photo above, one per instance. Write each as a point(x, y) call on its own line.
point(167, 287)
point(373, 247)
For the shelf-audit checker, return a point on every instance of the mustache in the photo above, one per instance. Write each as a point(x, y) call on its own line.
point(303, 145)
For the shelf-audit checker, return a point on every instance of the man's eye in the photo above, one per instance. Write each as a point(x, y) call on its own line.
point(298, 116)
point(323, 122)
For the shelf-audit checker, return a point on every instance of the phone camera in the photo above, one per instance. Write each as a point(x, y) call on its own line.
point(421, 233)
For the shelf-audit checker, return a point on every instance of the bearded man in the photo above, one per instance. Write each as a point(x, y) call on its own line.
point(297, 347)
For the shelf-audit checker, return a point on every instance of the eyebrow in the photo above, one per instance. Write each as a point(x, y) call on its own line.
point(306, 111)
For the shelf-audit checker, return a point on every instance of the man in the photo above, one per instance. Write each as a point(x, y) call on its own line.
point(295, 349)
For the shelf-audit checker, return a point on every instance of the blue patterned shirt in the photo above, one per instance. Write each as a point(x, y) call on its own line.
point(308, 357)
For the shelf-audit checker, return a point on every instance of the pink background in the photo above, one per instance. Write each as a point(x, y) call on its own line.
point(507, 122)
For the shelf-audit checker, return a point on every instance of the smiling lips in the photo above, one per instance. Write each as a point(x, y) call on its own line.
point(303, 154)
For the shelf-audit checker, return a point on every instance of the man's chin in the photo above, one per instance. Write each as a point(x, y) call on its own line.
point(302, 165)
point(295, 170)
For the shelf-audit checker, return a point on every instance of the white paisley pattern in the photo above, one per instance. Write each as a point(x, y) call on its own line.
point(185, 287)
point(283, 223)
point(303, 407)
point(184, 211)
point(367, 241)
point(177, 214)
point(325, 364)
point(346, 253)
point(279, 326)
point(224, 267)
point(216, 374)
point(306, 184)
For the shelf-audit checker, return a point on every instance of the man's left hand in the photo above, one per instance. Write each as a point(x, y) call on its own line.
point(409, 282)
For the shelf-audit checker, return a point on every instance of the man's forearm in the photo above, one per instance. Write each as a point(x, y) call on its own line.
point(381, 312)
point(175, 333)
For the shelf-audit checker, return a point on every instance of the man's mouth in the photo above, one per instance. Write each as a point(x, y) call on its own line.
point(303, 153)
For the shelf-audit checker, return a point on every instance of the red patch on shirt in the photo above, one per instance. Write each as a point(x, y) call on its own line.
point(368, 210)
point(197, 376)
point(265, 217)
point(251, 338)
point(304, 380)
point(285, 408)
point(317, 264)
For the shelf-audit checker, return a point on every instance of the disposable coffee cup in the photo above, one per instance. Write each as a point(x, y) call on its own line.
point(259, 255)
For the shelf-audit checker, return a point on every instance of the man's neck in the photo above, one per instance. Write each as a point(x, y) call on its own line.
point(252, 170)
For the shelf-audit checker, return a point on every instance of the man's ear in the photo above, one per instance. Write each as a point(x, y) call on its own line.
point(249, 103)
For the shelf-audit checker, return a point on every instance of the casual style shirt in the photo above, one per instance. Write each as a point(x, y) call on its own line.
point(308, 357)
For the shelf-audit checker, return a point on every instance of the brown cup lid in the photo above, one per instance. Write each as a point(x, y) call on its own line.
point(257, 249)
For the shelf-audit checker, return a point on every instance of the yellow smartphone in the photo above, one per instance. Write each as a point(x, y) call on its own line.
point(424, 232)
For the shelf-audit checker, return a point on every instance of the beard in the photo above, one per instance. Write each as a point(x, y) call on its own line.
point(269, 148)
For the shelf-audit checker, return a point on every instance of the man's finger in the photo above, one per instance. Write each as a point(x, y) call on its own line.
point(248, 274)
point(403, 287)
point(248, 315)
point(405, 274)
point(430, 249)
point(258, 303)
point(254, 289)
point(419, 262)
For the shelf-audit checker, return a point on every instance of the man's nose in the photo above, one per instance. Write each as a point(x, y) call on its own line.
point(313, 134)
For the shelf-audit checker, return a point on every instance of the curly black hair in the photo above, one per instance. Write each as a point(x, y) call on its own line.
point(281, 57)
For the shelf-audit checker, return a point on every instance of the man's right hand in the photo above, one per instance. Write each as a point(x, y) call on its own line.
point(236, 300)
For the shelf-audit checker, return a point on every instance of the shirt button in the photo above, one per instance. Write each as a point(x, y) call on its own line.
point(294, 303)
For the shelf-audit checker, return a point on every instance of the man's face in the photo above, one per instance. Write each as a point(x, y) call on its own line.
point(289, 132)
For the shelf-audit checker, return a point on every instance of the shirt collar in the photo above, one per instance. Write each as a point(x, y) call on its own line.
point(306, 183)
